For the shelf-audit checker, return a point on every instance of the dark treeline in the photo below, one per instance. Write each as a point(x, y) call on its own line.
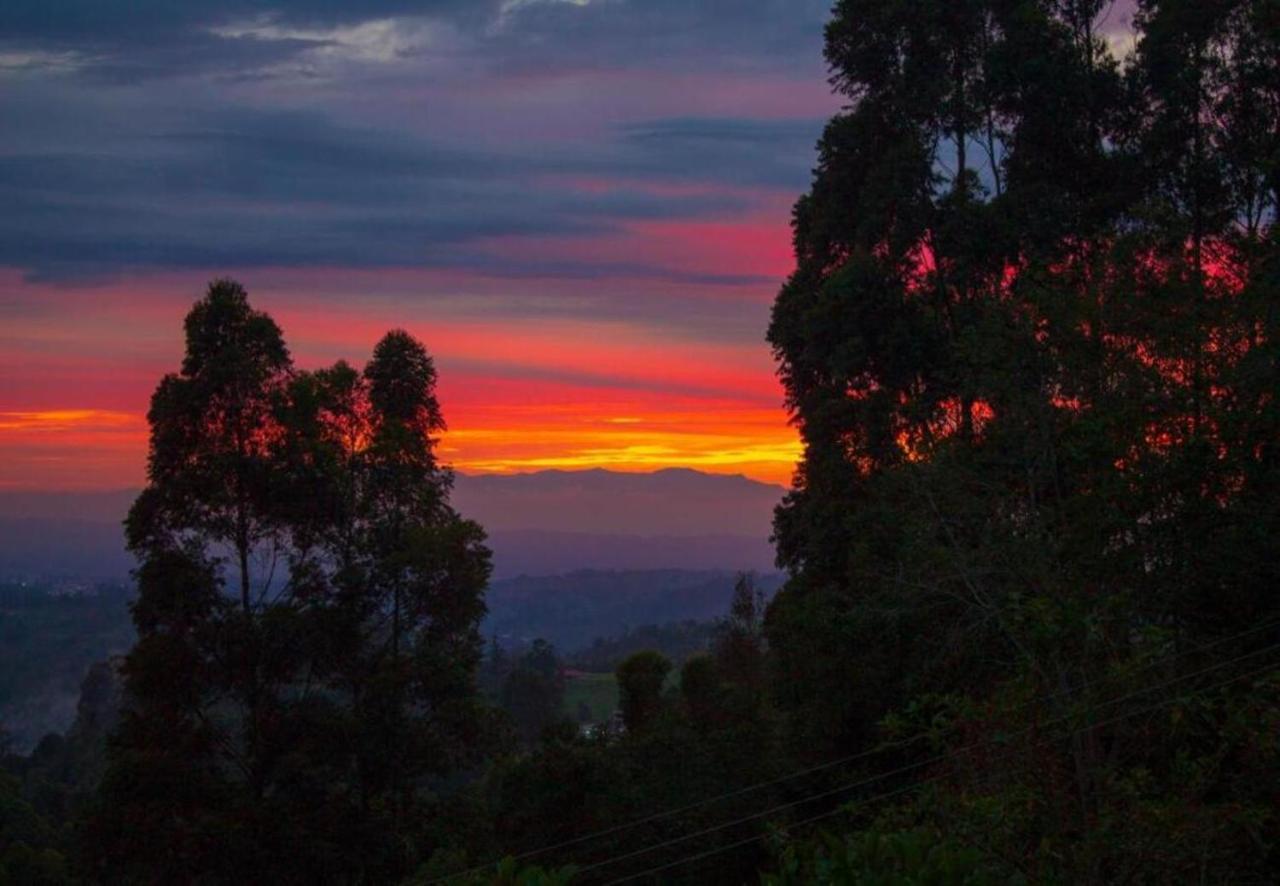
point(1030, 631)
point(48, 641)
point(576, 609)
point(1031, 344)
point(677, 640)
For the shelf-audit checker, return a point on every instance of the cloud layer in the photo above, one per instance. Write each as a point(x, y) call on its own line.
point(581, 206)
point(187, 135)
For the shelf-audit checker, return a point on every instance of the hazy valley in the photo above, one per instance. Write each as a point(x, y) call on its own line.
point(618, 552)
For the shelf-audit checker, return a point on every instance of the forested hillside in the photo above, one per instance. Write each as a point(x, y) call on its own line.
point(47, 645)
point(574, 610)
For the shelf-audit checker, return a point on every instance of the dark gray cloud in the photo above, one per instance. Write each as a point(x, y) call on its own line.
point(762, 152)
point(125, 41)
point(251, 187)
point(103, 24)
point(162, 134)
point(133, 40)
point(751, 35)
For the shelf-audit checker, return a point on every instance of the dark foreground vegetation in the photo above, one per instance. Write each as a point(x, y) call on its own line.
point(48, 640)
point(1030, 632)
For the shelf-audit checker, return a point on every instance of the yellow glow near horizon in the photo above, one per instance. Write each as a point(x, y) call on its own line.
point(60, 420)
point(758, 446)
point(97, 448)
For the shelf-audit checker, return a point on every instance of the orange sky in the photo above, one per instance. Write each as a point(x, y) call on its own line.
point(104, 449)
point(635, 390)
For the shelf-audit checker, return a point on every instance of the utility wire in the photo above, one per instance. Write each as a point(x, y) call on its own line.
point(911, 766)
point(918, 784)
point(658, 816)
point(821, 767)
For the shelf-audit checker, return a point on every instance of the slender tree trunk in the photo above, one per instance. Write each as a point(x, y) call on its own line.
point(961, 186)
point(1197, 246)
point(396, 738)
point(242, 554)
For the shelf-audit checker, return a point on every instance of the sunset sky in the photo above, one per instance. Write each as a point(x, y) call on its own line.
point(581, 206)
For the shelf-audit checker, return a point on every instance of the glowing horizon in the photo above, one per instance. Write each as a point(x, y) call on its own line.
point(519, 394)
point(50, 448)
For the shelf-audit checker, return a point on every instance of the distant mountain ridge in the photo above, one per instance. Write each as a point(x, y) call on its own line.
point(110, 506)
point(669, 502)
point(540, 523)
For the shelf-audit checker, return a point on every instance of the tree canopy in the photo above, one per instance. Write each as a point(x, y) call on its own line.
point(307, 617)
point(1030, 345)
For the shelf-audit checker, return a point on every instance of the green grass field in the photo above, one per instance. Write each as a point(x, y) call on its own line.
point(598, 691)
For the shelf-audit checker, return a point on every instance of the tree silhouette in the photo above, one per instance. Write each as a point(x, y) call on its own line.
point(1028, 345)
point(640, 681)
point(285, 721)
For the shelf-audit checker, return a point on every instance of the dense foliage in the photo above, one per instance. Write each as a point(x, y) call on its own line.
point(1031, 346)
point(47, 643)
point(42, 793)
point(677, 640)
point(307, 615)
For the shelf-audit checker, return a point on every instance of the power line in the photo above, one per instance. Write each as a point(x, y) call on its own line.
point(821, 767)
point(914, 785)
point(658, 816)
point(850, 806)
point(909, 767)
